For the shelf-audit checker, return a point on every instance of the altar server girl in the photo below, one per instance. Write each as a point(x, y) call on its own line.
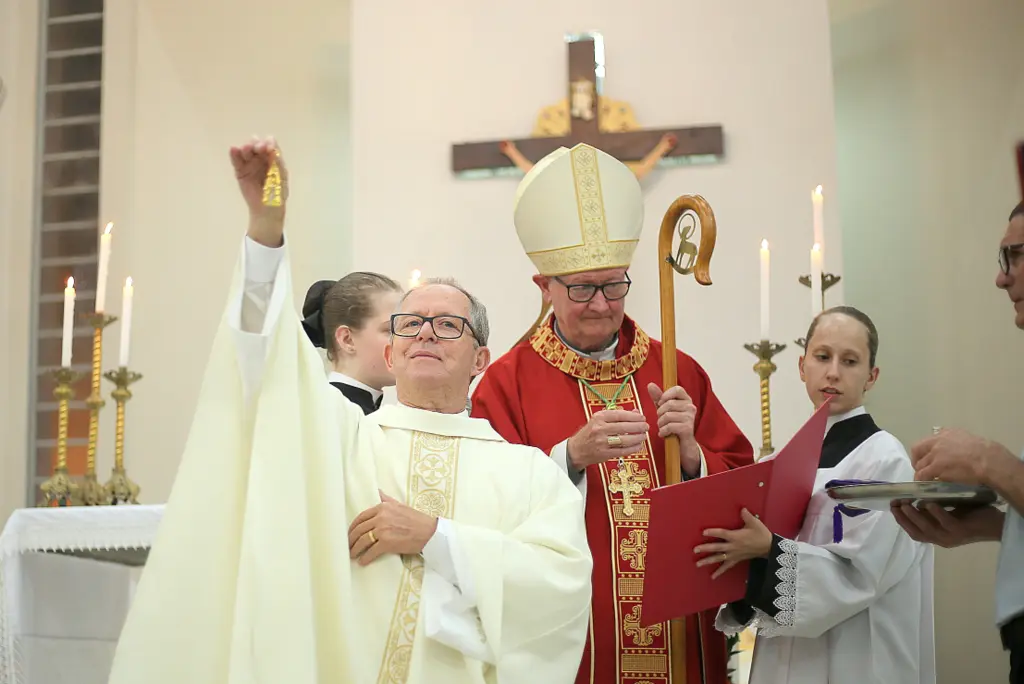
point(351, 319)
point(849, 601)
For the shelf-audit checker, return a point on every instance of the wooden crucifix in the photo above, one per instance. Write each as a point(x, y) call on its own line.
point(586, 116)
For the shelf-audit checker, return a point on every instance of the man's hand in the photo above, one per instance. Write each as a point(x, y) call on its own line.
point(932, 524)
point(389, 527)
point(956, 456)
point(252, 162)
point(677, 416)
point(607, 435)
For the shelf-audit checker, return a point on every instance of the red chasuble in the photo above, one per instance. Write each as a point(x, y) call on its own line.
point(535, 395)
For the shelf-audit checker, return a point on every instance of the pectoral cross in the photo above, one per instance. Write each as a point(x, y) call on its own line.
point(587, 116)
point(623, 482)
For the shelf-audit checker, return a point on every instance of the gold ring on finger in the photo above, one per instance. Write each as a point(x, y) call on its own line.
point(372, 536)
point(614, 441)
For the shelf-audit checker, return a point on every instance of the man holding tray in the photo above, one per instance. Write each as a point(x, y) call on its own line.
point(958, 456)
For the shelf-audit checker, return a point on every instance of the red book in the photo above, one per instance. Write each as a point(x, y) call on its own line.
point(777, 489)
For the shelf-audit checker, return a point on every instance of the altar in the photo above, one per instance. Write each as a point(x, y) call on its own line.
point(67, 576)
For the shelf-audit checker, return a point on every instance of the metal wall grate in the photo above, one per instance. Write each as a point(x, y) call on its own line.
point(67, 219)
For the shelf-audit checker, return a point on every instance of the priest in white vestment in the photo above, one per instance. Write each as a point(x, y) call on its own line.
point(305, 542)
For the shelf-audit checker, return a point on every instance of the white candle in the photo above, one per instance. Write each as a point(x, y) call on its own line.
point(816, 280)
point(126, 321)
point(414, 278)
point(765, 269)
point(817, 202)
point(101, 273)
point(69, 323)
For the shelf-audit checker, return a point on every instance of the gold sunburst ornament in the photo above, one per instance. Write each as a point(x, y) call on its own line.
point(272, 184)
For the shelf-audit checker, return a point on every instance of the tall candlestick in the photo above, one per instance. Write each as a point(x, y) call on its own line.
point(817, 202)
point(765, 270)
point(101, 273)
point(816, 297)
point(126, 321)
point(69, 323)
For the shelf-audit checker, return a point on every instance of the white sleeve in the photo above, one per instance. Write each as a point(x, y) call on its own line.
point(254, 313)
point(450, 610)
point(808, 589)
point(560, 455)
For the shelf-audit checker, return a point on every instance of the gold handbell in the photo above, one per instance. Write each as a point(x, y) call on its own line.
point(272, 185)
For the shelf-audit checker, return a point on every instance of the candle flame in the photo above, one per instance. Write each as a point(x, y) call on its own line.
point(128, 281)
point(764, 244)
point(817, 191)
point(414, 278)
point(110, 227)
point(816, 247)
point(71, 281)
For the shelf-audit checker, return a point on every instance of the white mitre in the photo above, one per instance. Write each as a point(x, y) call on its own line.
point(579, 210)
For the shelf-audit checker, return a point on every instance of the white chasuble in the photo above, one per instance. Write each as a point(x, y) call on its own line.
point(857, 611)
point(250, 580)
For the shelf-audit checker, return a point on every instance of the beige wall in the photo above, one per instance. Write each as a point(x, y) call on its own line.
point(18, 47)
point(929, 103)
point(762, 71)
point(178, 93)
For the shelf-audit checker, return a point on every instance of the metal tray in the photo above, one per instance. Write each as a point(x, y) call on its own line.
point(879, 497)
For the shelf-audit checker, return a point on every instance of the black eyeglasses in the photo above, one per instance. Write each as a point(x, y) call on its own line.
point(584, 293)
point(446, 327)
point(1005, 253)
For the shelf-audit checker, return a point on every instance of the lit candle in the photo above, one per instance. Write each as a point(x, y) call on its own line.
point(101, 274)
point(126, 321)
point(765, 268)
point(69, 323)
point(817, 202)
point(816, 280)
point(414, 278)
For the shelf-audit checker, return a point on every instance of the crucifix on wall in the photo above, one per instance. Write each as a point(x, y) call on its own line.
point(586, 115)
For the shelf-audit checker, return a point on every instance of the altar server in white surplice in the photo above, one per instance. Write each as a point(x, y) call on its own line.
point(305, 542)
point(849, 601)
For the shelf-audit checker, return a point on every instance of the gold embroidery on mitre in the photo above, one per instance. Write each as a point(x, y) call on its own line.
point(589, 199)
point(596, 251)
point(550, 348)
point(433, 463)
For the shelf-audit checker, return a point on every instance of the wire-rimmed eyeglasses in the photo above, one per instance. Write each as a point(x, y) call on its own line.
point(583, 293)
point(445, 327)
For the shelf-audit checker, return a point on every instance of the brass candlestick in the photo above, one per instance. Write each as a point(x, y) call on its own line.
point(60, 488)
point(827, 281)
point(91, 490)
point(764, 351)
point(119, 488)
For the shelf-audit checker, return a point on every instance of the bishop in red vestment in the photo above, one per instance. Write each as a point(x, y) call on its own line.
point(585, 387)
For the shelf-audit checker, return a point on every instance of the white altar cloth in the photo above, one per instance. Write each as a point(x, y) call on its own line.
point(66, 580)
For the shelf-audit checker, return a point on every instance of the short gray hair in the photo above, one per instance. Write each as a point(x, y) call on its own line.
point(477, 311)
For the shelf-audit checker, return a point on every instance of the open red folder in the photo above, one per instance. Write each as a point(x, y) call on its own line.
point(777, 489)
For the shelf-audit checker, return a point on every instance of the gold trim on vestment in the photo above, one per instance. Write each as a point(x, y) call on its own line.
point(433, 464)
point(642, 652)
point(546, 343)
